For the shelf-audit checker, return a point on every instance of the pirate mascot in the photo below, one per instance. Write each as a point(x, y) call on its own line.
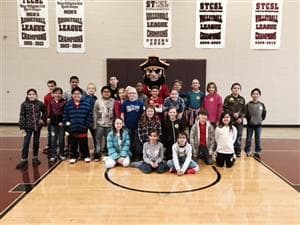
point(154, 75)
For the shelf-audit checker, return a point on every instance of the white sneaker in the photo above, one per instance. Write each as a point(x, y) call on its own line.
point(62, 157)
point(52, 159)
point(87, 159)
point(72, 161)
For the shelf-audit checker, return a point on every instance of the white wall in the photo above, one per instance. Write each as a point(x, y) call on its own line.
point(114, 30)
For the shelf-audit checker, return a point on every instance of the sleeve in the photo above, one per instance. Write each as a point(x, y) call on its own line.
point(234, 133)
point(220, 108)
point(226, 105)
point(111, 147)
point(264, 112)
point(247, 113)
point(123, 107)
point(165, 91)
point(22, 117)
point(192, 139)
point(217, 135)
point(145, 156)
point(211, 138)
point(140, 132)
point(181, 105)
point(158, 127)
point(161, 154)
point(202, 99)
point(175, 157)
point(141, 110)
point(89, 118)
point(181, 126)
point(95, 110)
point(125, 151)
point(165, 105)
point(243, 109)
point(43, 112)
point(66, 117)
point(188, 158)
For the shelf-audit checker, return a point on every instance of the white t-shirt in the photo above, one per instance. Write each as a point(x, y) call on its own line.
point(225, 139)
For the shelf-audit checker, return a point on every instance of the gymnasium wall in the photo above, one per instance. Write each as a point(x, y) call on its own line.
point(114, 30)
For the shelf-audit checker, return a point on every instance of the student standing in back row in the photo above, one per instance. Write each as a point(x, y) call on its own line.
point(255, 114)
point(234, 104)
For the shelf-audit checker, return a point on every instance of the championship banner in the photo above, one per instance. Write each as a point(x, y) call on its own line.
point(33, 23)
point(70, 26)
point(266, 24)
point(210, 23)
point(157, 23)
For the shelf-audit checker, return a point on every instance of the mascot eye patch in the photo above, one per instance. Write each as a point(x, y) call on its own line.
point(157, 71)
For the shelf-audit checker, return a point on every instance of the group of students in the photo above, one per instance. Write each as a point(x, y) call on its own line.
point(145, 131)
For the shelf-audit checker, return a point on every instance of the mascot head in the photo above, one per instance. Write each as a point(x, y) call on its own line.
point(154, 69)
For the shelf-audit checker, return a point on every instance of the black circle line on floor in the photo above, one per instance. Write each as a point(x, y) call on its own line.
point(106, 174)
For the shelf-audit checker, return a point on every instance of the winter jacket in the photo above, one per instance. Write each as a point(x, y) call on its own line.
point(30, 115)
point(195, 137)
point(77, 119)
point(118, 148)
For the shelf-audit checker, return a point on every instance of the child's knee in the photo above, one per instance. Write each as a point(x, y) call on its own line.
point(110, 163)
point(126, 162)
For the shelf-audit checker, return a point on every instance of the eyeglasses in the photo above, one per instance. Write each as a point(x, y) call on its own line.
point(157, 71)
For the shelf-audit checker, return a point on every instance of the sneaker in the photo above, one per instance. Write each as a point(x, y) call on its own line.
point(208, 161)
point(87, 159)
point(36, 162)
point(238, 154)
point(22, 164)
point(257, 155)
point(96, 157)
point(63, 158)
point(190, 171)
point(72, 161)
point(52, 159)
point(45, 149)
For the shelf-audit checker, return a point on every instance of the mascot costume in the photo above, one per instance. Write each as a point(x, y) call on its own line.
point(154, 75)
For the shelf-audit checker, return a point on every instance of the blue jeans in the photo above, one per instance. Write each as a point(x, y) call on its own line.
point(238, 141)
point(26, 143)
point(257, 131)
point(171, 164)
point(147, 168)
point(57, 134)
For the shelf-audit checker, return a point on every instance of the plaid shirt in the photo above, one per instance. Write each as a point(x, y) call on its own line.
point(143, 131)
point(179, 104)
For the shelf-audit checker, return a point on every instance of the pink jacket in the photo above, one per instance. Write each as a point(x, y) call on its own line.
point(214, 106)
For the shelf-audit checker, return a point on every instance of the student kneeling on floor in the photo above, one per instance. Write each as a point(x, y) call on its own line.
point(118, 146)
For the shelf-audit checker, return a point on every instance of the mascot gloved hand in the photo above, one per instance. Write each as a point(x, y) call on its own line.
point(154, 75)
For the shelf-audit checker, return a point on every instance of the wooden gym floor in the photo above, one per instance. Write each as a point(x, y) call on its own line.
point(251, 192)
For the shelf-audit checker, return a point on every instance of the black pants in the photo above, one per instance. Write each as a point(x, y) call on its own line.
point(26, 142)
point(83, 147)
point(225, 158)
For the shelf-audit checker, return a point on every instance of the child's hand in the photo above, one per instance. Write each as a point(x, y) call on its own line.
point(48, 121)
point(120, 160)
point(154, 165)
point(236, 115)
point(180, 173)
point(23, 132)
point(60, 124)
